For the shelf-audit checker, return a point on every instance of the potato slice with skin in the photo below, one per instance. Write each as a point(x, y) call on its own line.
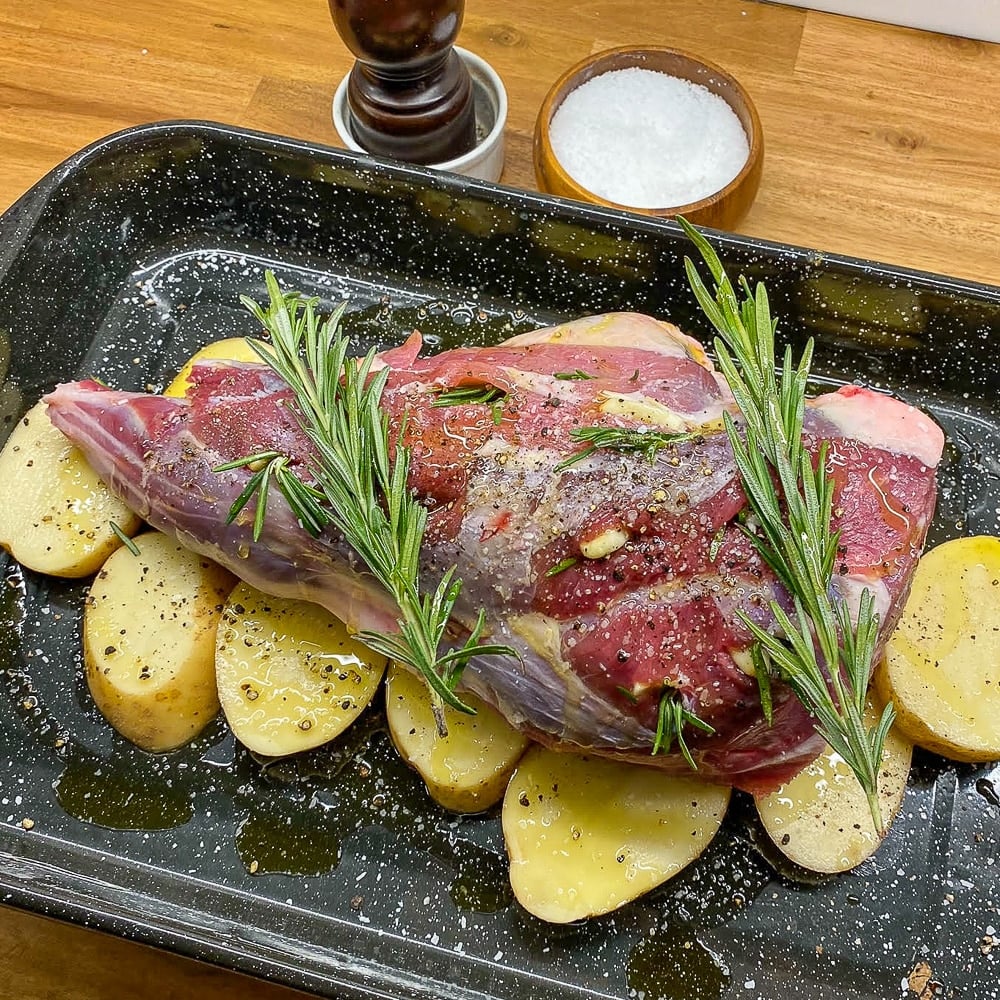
point(586, 835)
point(149, 641)
point(821, 820)
point(465, 771)
point(941, 668)
point(55, 513)
point(230, 349)
point(290, 678)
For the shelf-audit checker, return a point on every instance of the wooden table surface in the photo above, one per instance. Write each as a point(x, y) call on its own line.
point(882, 142)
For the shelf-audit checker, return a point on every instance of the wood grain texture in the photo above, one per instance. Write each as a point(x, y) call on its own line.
point(881, 142)
point(41, 959)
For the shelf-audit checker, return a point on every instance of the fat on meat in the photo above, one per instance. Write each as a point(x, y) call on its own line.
point(613, 577)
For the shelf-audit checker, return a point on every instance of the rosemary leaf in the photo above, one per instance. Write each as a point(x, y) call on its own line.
point(623, 439)
point(562, 566)
point(578, 456)
point(252, 487)
point(247, 461)
point(124, 539)
point(627, 694)
point(716, 546)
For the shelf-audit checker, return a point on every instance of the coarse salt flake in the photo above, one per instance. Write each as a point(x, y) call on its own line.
point(646, 139)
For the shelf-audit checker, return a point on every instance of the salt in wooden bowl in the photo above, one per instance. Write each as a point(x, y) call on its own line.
point(722, 209)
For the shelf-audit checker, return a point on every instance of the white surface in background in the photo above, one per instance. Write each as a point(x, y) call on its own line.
point(970, 18)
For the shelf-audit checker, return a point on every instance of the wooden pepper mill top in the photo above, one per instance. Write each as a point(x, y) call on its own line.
point(409, 93)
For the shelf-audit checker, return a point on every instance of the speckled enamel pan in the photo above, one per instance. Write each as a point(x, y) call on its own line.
point(334, 871)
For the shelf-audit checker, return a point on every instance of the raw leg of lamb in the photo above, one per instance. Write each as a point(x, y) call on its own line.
point(614, 576)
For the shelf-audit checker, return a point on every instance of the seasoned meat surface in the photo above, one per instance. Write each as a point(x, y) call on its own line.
point(616, 575)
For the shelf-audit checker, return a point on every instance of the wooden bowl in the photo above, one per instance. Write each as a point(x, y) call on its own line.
point(722, 210)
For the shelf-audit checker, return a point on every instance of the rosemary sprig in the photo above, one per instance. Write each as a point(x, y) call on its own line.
point(359, 489)
point(622, 439)
point(824, 657)
point(474, 395)
point(468, 395)
point(672, 717)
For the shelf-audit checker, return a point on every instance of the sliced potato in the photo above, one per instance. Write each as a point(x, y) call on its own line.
point(289, 676)
point(942, 664)
point(55, 513)
point(465, 771)
point(149, 641)
point(821, 819)
point(586, 835)
point(230, 349)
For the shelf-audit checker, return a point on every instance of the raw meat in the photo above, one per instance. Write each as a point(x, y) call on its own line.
point(612, 576)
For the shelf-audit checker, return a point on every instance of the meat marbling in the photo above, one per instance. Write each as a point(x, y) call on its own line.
point(661, 567)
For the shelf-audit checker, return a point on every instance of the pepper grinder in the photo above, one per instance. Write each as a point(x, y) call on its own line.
point(409, 94)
